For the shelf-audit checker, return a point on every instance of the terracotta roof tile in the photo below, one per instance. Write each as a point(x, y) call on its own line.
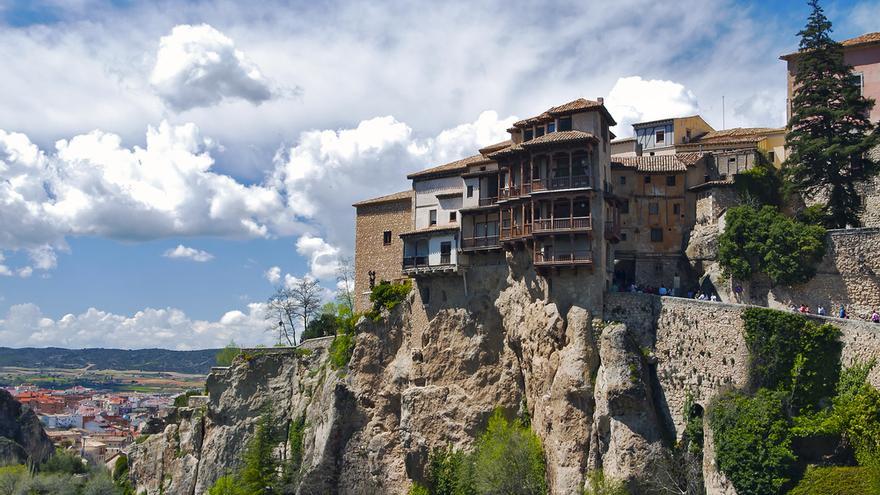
point(865, 39)
point(449, 168)
point(495, 147)
point(737, 134)
point(398, 196)
point(433, 228)
point(678, 162)
point(712, 183)
point(566, 108)
point(550, 138)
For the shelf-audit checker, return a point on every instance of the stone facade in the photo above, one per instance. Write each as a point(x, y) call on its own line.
point(375, 219)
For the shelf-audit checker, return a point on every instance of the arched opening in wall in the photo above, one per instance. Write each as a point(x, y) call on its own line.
point(696, 411)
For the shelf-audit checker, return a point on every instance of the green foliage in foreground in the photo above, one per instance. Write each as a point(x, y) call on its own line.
point(341, 350)
point(228, 354)
point(507, 458)
point(182, 399)
point(63, 474)
point(753, 446)
point(761, 184)
point(597, 484)
point(386, 295)
point(766, 241)
point(836, 480)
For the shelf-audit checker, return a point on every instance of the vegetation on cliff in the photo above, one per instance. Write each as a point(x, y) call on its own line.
point(507, 458)
point(799, 407)
point(64, 473)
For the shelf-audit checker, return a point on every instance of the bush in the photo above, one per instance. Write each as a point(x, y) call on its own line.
point(450, 472)
point(753, 441)
point(508, 459)
point(228, 354)
point(341, 350)
point(226, 485)
point(418, 489)
point(322, 326)
point(787, 351)
point(597, 484)
point(761, 184)
point(836, 480)
point(64, 461)
point(766, 241)
point(386, 295)
point(182, 399)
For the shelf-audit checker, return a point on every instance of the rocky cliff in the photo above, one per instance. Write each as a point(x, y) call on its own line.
point(600, 395)
point(22, 438)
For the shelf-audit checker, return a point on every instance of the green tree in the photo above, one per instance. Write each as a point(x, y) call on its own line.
point(228, 354)
point(322, 326)
point(753, 441)
point(508, 459)
point(766, 241)
point(259, 473)
point(227, 485)
point(830, 133)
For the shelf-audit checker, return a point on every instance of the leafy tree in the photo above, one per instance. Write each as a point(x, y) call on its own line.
point(100, 485)
point(293, 466)
point(830, 132)
point(64, 461)
point(386, 295)
point(753, 441)
point(509, 459)
point(764, 240)
point(228, 354)
point(345, 281)
point(760, 185)
point(322, 326)
point(450, 472)
point(598, 484)
point(341, 350)
point(227, 485)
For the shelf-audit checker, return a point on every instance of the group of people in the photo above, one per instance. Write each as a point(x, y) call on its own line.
point(841, 313)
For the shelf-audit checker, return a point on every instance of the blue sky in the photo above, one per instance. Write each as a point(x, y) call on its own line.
point(164, 165)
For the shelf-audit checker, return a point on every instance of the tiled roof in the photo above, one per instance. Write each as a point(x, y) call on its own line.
point(550, 138)
point(865, 39)
point(678, 162)
point(566, 108)
point(433, 228)
point(737, 134)
point(449, 168)
point(398, 196)
point(623, 140)
point(495, 147)
point(712, 183)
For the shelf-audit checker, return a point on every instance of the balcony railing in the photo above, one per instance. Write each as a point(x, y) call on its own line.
point(445, 258)
point(563, 224)
point(488, 201)
point(414, 262)
point(479, 242)
point(612, 230)
point(576, 257)
point(565, 182)
point(516, 232)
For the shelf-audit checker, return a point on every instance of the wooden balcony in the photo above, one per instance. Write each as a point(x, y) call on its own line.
point(558, 183)
point(571, 258)
point(514, 191)
point(415, 262)
point(418, 265)
point(567, 224)
point(516, 232)
point(612, 230)
point(488, 201)
point(480, 243)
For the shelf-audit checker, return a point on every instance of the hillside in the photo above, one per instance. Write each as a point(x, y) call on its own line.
point(194, 362)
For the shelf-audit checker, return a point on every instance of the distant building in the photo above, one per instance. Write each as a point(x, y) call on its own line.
point(863, 54)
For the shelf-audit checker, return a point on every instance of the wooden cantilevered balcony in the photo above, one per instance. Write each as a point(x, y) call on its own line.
point(516, 232)
point(567, 258)
point(415, 262)
point(514, 191)
point(612, 230)
point(488, 201)
point(480, 243)
point(563, 182)
point(563, 225)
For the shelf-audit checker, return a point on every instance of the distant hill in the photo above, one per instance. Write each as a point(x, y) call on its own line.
point(196, 362)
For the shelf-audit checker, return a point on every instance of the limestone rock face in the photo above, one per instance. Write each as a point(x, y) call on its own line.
point(21, 435)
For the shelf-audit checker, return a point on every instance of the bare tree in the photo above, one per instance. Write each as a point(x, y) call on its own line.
point(282, 314)
point(676, 471)
point(345, 278)
point(305, 297)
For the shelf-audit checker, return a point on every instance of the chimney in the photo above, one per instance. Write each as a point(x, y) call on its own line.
point(601, 100)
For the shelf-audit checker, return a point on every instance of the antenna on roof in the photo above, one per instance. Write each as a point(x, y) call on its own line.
point(723, 125)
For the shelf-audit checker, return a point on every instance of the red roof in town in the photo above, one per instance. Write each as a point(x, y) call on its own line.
point(866, 39)
point(398, 196)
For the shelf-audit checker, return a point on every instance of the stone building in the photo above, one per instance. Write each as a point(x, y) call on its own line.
point(378, 247)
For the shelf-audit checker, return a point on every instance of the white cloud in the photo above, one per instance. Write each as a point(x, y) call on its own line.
point(273, 274)
point(633, 99)
point(25, 272)
point(188, 253)
point(198, 66)
point(323, 258)
point(25, 325)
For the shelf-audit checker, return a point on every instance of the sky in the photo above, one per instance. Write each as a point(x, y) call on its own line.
point(164, 166)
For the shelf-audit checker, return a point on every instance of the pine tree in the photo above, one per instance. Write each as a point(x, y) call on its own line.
point(830, 134)
point(259, 474)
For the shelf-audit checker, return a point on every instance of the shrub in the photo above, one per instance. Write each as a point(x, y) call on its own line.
point(64, 461)
point(450, 472)
point(418, 489)
point(597, 484)
point(761, 184)
point(753, 441)
point(386, 295)
point(228, 354)
point(508, 458)
point(322, 326)
point(837, 480)
point(182, 399)
point(226, 485)
point(260, 467)
point(766, 241)
point(341, 350)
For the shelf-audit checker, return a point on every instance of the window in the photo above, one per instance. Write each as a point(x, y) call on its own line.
point(623, 236)
point(771, 156)
point(539, 131)
point(656, 235)
point(565, 123)
point(551, 127)
point(624, 207)
point(653, 208)
point(647, 179)
point(622, 180)
point(858, 80)
point(432, 217)
point(660, 137)
point(670, 180)
point(470, 191)
point(452, 216)
point(527, 135)
point(658, 268)
point(386, 237)
point(676, 209)
point(445, 252)
point(687, 135)
point(731, 160)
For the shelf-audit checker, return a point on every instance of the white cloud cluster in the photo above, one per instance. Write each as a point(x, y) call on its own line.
point(198, 66)
point(273, 274)
point(633, 99)
point(25, 325)
point(188, 253)
point(322, 257)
